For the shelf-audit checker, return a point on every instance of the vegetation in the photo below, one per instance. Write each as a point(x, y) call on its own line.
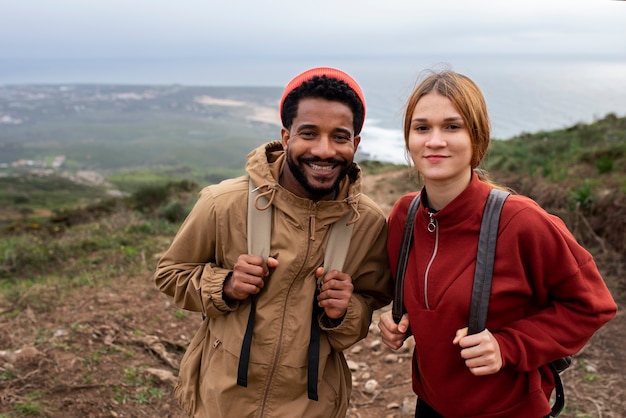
point(573, 156)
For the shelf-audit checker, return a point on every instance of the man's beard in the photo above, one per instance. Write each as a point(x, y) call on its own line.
point(299, 174)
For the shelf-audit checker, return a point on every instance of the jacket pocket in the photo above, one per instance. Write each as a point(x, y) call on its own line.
point(186, 390)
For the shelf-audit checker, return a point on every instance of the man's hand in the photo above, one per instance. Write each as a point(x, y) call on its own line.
point(481, 351)
point(335, 292)
point(248, 276)
point(392, 334)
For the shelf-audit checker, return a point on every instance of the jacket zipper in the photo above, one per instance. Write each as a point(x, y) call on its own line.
point(432, 227)
point(282, 322)
point(214, 346)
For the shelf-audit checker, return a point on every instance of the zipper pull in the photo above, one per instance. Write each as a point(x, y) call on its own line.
point(431, 223)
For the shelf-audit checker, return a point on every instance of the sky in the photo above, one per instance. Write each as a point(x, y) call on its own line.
point(174, 29)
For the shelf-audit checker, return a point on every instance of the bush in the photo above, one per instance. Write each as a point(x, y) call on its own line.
point(173, 212)
point(149, 198)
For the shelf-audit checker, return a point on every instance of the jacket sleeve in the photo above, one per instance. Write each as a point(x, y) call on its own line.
point(188, 271)
point(568, 298)
point(368, 265)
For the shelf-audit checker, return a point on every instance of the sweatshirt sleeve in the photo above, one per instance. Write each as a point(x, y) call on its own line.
point(559, 297)
point(187, 271)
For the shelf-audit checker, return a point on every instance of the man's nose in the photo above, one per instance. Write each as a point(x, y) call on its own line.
point(324, 148)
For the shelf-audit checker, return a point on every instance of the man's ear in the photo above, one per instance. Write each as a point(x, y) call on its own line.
point(357, 141)
point(284, 134)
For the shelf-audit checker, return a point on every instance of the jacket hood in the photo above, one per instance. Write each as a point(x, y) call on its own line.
point(264, 166)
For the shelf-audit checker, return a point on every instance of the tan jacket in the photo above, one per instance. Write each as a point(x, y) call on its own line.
point(204, 251)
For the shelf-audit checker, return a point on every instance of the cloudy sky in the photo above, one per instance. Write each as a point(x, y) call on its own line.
point(289, 28)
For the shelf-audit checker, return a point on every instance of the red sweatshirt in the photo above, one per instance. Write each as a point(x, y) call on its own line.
point(547, 300)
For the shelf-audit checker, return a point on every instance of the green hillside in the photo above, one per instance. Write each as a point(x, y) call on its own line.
point(593, 154)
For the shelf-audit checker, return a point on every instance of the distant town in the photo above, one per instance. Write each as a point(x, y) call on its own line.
point(33, 167)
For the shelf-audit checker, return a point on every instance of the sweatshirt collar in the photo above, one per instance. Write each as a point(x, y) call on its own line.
point(470, 202)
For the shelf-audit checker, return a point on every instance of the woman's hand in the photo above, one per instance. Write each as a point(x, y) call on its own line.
point(392, 334)
point(481, 351)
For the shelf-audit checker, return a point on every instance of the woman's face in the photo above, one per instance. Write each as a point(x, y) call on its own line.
point(439, 141)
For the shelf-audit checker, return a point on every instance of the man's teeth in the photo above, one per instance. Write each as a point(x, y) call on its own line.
point(321, 167)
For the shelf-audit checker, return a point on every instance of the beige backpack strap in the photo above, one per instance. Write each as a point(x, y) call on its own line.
point(334, 257)
point(259, 224)
point(259, 236)
point(338, 243)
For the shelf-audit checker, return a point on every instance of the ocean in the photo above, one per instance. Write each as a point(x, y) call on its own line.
point(523, 93)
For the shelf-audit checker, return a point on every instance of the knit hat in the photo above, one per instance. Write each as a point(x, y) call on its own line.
point(320, 71)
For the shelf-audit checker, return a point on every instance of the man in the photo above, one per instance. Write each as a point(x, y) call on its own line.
point(271, 344)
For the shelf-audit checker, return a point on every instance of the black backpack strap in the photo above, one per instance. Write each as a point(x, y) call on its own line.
point(559, 396)
point(397, 309)
point(481, 290)
point(484, 260)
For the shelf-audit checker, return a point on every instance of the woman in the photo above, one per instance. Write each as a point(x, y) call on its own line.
point(547, 296)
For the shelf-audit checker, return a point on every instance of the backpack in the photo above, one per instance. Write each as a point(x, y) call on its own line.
point(259, 236)
point(481, 290)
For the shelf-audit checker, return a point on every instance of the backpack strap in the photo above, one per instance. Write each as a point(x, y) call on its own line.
point(259, 224)
point(397, 308)
point(481, 290)
point(259, 229)
point(338, 243)
point(334, 257)
point(487, 240)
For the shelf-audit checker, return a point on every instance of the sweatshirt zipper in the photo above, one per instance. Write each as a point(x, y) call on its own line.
point(310, 239)
point(431, 227)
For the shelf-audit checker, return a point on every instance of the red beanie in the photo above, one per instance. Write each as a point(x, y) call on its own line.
point(320, 71)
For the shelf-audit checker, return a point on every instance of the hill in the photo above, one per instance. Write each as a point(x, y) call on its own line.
point(83, 331)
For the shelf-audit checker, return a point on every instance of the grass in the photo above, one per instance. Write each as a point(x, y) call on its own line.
point(51, 193)
point(568, 156)
point(36, 267)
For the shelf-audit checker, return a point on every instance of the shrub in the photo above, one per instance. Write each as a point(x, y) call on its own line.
point(173, 212)
point(149, 198)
